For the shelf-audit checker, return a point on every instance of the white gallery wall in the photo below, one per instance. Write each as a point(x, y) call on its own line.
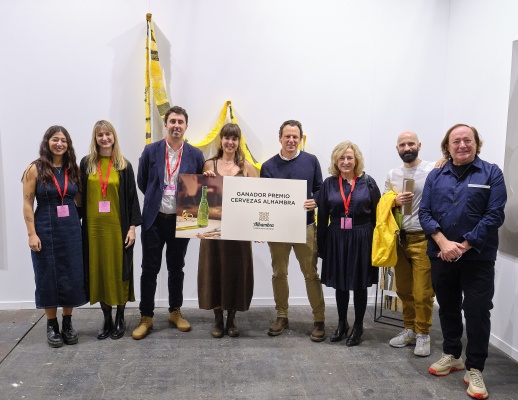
point(357, 70)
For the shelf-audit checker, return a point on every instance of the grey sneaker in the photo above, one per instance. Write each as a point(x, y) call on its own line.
point(403, 338)
point(422, 346)
point(476, 387)
point(446, 364)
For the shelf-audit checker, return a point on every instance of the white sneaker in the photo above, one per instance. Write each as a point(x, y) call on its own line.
point(422, 346)
point(476, 387)
point(446, 364)
point(403, 338)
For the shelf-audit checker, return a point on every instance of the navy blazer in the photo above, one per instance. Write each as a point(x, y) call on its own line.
point(150, 177)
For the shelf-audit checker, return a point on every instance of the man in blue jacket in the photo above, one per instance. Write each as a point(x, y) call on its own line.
point(291, 163)
point(159, 166)
point(460, 212)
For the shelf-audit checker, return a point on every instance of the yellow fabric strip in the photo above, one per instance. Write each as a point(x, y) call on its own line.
point(154, 77)
point(214, 133)
point(147, 99)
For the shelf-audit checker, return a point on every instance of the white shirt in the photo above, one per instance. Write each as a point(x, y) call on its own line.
point(394, 182)
point(288, 159)
point(168, 205)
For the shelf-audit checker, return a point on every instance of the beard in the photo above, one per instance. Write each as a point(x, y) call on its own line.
point(409, 156)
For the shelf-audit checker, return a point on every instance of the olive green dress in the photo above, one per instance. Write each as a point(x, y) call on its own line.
point(105, 242)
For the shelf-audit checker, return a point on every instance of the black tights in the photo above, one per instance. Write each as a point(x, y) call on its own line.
point(107, 309)
point(360, 304)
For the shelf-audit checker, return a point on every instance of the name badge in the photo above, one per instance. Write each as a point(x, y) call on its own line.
point(170, 190)
point(63, 211)
point(346, 223)
point(104, 206)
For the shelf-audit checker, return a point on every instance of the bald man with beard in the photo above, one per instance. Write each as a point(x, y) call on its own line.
point(413, 270)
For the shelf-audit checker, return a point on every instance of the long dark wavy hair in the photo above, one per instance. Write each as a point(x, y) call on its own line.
point(232, 130)
point(44, 163)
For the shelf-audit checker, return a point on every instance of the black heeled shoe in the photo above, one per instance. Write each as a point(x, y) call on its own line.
point(120, 326)
point(54, 338)
point(355, 336)
point(68, 332)
point(107, 327)
point(341, 331)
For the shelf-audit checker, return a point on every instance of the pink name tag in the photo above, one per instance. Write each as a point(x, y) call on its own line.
point(346, 223)
point(104, 206)
point(170, 190)
point(63, 211)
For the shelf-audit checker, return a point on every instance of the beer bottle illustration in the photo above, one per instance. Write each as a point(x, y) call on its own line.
point(203, 209)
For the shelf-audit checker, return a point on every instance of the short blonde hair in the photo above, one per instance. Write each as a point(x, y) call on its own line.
point(339, 150)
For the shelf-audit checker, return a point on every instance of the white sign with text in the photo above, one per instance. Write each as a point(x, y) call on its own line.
point(264, 209)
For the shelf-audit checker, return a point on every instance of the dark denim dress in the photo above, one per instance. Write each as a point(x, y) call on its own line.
point(58, 267)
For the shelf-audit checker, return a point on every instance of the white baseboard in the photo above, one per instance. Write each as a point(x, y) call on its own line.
point(501, 345)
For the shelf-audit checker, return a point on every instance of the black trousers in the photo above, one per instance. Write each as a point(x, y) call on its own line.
point(161, 233)
point(469, 286)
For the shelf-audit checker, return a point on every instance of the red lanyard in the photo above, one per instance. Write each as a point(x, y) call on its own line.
point(61, 194)
point(168, 164)
point(104, 185)
point(348, 200)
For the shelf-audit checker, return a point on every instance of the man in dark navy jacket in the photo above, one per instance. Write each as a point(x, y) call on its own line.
point(291, 163)
point(159, 166)
point(460, 212)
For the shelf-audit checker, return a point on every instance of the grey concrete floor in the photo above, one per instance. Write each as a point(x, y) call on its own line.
point(169, 364)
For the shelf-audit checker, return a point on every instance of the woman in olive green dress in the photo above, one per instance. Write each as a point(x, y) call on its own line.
point(111, 211)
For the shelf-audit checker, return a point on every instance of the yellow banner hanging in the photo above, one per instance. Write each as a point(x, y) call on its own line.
point(214, 133)
point(154, 79)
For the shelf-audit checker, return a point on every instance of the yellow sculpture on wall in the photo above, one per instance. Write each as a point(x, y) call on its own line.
point(155, 87)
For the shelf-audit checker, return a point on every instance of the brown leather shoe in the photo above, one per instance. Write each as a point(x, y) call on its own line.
point(318, 334)
point(217, 329)
point(143, 328)
point(177, 319)
point(232, 329)
point(278, 326)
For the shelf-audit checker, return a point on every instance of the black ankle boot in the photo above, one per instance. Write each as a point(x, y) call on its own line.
point(341, 331)
point(218, 328)
point(107, 326)
point(232, 329)
point(68, 332)
point(54, 338)
point(120, 326)
point(354, 337)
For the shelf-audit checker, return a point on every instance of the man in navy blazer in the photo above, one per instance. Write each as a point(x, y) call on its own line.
point(159, 166)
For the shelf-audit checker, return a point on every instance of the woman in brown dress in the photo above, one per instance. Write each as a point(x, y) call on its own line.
point(225, 267)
